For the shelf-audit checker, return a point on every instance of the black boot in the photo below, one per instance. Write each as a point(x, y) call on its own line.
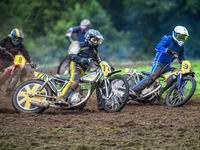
point(63, 100)
point(163, 89)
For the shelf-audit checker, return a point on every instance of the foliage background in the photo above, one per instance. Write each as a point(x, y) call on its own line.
point(131, 28)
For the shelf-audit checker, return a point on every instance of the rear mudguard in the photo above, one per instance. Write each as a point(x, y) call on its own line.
point(113, 72)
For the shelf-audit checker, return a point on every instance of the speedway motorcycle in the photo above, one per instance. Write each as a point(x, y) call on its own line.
point(11, 75)
point(183, 84)
point(39, 94)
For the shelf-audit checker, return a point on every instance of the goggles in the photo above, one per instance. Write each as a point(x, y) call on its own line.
point(18, 39)
point(181, 37)
point(96, 40)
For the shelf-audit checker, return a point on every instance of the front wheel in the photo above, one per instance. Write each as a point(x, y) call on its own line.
point(118, 91)
point(21, 98)
point(178, 97)
point(12, 82)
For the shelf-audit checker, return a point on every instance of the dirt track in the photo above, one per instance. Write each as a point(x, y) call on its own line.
point(137, 126)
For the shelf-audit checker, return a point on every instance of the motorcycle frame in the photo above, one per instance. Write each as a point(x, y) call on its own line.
point(49, 81)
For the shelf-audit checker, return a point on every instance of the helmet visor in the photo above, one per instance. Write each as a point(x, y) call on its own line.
point(181, 37)
point(18, 39)
point(96, 40)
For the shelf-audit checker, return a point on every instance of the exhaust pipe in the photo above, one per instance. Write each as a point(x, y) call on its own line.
point(40, 103)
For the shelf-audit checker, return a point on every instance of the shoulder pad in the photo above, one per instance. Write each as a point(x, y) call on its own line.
point(75, 49)
point(83, 44)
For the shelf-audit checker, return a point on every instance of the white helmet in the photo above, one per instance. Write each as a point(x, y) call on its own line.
point(85, 24)
point(180, 35)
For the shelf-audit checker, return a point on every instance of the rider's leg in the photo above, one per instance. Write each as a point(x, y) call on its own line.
point(71, 85)
point(163, 89)
point(169, 81)
point(155, 73)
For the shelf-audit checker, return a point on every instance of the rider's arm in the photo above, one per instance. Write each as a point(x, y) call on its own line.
point(3, 41)
point(73, 55)
point(71, 31)
point(25, 52)
point(98, 59)
point(162, 46)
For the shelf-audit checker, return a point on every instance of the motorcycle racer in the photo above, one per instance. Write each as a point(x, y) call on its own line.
point(10, 46)
point(164, 56)
point(79, 30)
point(80, 56)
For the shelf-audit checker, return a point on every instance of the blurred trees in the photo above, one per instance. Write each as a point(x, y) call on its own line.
point(131, 28)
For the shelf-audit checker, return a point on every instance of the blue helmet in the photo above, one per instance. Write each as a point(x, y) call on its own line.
point(17, 36)
point(93, 37)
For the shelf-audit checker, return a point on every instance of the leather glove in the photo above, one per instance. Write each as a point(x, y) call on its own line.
point(2, 50)
point(33, 65)
point(170, 52)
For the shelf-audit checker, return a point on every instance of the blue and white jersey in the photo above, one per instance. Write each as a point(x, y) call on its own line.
point(162, 56)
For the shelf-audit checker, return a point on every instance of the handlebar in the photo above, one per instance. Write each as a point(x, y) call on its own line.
point(174, 54)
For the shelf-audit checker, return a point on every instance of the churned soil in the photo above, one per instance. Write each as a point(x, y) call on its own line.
point(137, 126)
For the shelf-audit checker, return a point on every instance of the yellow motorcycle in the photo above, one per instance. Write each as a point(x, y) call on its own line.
point(40, 93)
point(183, 84)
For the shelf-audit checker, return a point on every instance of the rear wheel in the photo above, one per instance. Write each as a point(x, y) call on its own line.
point(178, 97)
point(63, 67)
point(119, 90)
point(130, 80)
point(21, 98)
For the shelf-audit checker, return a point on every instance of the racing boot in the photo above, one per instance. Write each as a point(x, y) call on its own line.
point(62, 100)
point(163, 89)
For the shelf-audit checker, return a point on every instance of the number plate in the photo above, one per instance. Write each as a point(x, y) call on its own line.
point(41, 76)
point(130, 71)
point(19, 60)
point(186, 66)
point(105, 68)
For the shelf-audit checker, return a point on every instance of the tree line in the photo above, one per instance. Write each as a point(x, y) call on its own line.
point(131, 28)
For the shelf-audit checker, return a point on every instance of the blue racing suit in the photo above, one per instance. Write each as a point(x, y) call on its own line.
point(78, 31)
point(161, 61)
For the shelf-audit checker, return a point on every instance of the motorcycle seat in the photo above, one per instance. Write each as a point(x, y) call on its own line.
point(146, 72)
point(61, 77)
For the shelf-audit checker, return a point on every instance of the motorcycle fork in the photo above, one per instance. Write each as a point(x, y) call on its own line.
point(179, 80)
point(39, 90)
point(107, 85)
